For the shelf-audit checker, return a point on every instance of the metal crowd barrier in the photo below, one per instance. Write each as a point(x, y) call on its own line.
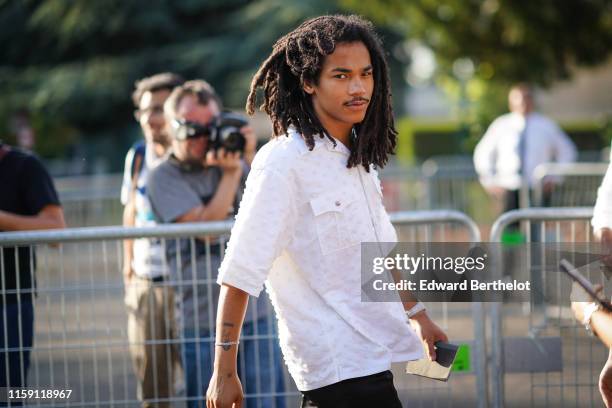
point(90, 201)
point(444, 182)
point(81, 341)
point(568, 375)
point(578, 183)
point(457, 319)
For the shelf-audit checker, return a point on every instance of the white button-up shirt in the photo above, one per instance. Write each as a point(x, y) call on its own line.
point(299, 228)
point(602, 213)
point(497, 159)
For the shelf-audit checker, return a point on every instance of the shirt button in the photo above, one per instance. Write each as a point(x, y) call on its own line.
point(338, 203)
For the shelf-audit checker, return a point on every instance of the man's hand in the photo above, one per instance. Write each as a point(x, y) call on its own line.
point(229, 162)
point(428, 331)
point(251, 143)
point(580, 299)
point(224, 391)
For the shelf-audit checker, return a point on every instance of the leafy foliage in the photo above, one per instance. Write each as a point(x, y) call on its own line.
point(509, 41)
point(75, 62)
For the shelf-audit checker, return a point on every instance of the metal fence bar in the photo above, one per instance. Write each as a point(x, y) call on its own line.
point(506, 219)
point(113, 233)
point(590, 173)
point(445, 216)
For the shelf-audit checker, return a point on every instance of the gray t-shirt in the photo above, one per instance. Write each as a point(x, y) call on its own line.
point(174, 190)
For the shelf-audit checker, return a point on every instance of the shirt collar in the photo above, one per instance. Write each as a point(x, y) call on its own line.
point(338, 148)
point(321, 142)
point(518, 118)
point(325, 142)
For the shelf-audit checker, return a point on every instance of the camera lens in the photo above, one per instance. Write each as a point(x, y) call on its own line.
point(232, 140)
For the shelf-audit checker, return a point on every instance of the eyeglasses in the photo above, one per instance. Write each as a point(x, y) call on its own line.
point(184, 129)
point(150, 111)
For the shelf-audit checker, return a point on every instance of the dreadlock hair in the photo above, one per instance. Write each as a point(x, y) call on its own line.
point(298, 57)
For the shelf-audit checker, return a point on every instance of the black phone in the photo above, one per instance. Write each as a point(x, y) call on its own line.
point(586, 284)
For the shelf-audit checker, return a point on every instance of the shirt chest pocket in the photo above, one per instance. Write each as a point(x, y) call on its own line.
point(337, 219)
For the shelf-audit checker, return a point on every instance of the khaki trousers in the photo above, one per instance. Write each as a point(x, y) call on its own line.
point(150, 309)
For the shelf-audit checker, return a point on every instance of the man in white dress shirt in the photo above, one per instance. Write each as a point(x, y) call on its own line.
point(312, 196)
point(515, 144)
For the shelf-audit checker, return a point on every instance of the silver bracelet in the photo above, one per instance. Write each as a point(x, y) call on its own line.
point(588, 313)
point(227, 343)
point(419, 307)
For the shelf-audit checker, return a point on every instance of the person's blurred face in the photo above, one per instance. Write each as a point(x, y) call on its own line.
point(344, 89)
point(150, 115)
point(194, 149)
point(520, 100)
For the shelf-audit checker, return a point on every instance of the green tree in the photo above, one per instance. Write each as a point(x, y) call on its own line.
point(74, 63)
point(508, 41)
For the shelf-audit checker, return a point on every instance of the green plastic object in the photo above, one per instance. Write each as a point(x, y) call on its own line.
point(462, 359)
point(513, 237)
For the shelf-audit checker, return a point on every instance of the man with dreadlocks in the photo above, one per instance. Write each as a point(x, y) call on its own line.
point(311, 198)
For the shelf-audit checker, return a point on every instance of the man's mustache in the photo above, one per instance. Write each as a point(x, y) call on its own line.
point(358, 99)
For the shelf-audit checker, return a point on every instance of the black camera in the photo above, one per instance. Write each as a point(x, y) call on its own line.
point(222, 132)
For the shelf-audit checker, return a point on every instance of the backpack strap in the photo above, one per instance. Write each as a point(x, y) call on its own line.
point(138, 158)
point(137, 163)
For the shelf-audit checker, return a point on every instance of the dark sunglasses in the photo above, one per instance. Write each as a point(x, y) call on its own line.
point(184, 129)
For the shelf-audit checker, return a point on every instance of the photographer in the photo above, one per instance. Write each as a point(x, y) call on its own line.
point(202, 180)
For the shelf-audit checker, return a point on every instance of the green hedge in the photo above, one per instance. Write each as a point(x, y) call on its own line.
point(419, 139)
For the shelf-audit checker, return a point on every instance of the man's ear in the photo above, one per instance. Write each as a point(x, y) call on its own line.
point(308, 88)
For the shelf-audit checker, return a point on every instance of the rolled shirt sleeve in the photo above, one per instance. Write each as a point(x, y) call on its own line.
point(263, 229)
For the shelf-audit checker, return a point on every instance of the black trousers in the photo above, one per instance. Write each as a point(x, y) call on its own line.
point(372, 391)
